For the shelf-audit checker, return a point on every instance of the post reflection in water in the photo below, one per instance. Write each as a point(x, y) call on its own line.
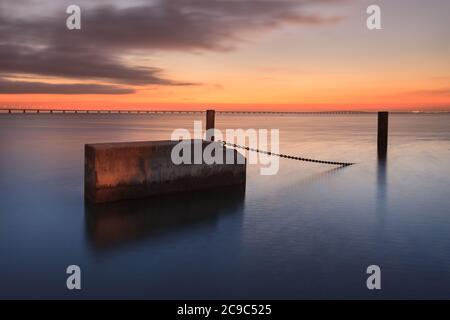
point(381, 193)
point(112, 224)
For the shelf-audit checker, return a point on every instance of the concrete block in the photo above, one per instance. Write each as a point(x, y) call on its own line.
point(131, 170)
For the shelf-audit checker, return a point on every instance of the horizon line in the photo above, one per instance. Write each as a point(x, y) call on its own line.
point(19, 110)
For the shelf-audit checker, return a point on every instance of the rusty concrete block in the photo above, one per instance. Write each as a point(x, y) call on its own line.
point(130, 170)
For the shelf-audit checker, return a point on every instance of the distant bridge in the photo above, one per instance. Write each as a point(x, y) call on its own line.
point(114, 111)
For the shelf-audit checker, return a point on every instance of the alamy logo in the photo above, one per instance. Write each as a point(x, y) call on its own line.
point(374, 20)
point(73, 21)
point(74, 280)
point(189, 151)
point(374, 280)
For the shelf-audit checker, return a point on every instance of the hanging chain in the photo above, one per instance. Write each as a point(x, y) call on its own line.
point(343, 164)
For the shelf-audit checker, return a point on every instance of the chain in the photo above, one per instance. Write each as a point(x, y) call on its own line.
point(343, 164)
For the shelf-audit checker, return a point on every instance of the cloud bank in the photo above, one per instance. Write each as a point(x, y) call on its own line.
point(35, 44)
point(29, 87)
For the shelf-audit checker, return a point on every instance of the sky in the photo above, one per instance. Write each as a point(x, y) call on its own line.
point(280, 55)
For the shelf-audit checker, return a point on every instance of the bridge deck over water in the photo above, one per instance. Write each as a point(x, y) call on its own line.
point(115, 111)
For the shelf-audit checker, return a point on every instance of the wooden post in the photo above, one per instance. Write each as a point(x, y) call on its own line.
point(382, 140)
point(210, 119)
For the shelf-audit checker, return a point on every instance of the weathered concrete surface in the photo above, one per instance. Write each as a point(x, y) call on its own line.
point(129, 170)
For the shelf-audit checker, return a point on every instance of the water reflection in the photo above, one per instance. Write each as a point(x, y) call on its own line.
point(112, 224)
point(323, 175)
point(295, 238)
point(381, 190)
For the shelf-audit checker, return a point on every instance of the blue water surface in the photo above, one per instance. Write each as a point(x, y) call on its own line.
point(310, 231)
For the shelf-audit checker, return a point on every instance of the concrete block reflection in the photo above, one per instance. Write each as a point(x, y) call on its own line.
point(112, 224)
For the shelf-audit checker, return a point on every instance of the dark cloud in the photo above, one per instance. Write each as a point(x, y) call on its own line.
point(85, 64)
point(43, 45)
point(23, 87)
point(188, 24)
point(175, 24)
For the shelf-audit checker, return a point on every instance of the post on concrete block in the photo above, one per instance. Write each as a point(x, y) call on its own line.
point(382, 140)
point(210, 119)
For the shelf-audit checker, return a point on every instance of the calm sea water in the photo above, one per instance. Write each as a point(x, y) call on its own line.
point(308, 232)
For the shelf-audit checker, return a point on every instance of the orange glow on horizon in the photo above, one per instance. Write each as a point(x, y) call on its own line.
point(271, 89)
point(285, 66)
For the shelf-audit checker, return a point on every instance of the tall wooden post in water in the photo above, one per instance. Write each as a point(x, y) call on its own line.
point(210, 119)
point(382, 139)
